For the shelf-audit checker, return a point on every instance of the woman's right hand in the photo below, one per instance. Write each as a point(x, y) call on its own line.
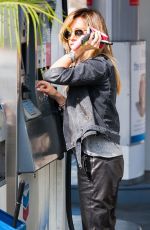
point(47, 88)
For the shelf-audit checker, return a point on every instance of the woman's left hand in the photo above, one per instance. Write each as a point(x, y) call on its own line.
point(95, 38)
point(92, 43)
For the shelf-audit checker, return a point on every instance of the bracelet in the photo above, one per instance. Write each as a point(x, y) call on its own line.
point(61, 106)
point(71, 55)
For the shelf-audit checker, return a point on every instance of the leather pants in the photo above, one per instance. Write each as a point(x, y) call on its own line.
point(98, 186)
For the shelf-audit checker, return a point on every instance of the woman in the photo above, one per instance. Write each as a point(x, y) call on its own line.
point(91, 122)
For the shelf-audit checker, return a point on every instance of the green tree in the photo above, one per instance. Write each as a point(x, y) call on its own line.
point(9, 18)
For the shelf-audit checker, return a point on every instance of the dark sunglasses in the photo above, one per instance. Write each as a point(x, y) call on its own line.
point(78, 33)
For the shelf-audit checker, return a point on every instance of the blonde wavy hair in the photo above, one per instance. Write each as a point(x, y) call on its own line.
point(94, 19)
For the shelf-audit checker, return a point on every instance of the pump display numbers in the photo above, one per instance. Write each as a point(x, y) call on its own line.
point(30, 110)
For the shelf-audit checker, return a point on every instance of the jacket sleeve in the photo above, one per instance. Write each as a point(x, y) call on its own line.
point(88, 72)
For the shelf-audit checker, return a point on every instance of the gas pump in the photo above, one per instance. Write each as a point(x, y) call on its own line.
point(34, 144)
point(40, 130)
point(40, 141)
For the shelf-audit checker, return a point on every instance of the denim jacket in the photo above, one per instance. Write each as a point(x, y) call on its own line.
point(91, 101)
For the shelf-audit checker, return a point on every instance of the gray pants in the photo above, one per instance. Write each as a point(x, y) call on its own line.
point(98, 186)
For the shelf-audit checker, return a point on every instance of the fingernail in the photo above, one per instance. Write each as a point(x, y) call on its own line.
point(93, 29)
point(89, 30)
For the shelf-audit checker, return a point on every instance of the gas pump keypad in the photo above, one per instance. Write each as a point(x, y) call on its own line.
point(30, 110)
